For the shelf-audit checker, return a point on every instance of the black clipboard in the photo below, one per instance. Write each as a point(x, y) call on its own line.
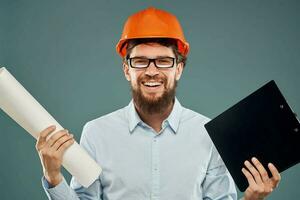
point(261, 125)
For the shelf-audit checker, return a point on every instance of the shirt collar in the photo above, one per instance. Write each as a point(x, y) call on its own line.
point(172, 120)
point(133, 117)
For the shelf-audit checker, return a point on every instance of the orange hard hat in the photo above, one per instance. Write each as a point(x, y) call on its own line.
point(152, 23)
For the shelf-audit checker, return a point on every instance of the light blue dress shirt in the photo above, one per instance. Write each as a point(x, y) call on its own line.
point(178, 163)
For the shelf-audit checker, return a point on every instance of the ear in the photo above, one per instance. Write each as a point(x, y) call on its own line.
point(179, 70)
point(126, 71)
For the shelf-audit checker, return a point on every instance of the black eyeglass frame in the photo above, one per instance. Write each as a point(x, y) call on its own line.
point(150, 60)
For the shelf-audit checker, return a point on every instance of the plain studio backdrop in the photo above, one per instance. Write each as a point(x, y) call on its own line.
point(63, 52)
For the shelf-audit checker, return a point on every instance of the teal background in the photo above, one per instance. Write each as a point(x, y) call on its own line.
point(63, 52)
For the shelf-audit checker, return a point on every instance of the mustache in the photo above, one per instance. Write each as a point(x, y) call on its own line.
point(156, 78)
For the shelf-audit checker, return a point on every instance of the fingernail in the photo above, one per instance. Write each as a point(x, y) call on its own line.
point(270, 164)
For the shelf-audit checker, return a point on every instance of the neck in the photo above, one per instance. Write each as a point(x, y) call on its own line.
point(155, 120)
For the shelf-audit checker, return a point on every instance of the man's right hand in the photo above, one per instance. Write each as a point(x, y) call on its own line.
point(51, 152)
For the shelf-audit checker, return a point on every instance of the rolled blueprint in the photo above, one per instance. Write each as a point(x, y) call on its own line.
point(16, 101)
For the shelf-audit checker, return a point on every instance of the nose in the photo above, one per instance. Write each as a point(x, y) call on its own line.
point(151, 70)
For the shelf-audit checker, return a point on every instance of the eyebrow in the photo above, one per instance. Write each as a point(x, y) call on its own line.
point(152, 57)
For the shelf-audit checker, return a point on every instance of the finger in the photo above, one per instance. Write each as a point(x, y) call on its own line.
point(43, 136)
point(249, 177)
point(261, 169)
point(254, 172)
point(275, 174)
point(61, 141)
point(65, 145)
point(56, 136)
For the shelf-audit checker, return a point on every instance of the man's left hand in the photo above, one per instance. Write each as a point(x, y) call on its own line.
point(260, 184)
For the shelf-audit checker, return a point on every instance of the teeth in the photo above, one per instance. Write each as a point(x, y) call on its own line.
point(152, 84)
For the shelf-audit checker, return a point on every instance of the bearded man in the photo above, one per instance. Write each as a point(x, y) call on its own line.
point(154, 148)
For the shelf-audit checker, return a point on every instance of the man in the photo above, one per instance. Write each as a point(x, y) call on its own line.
point(153, 148)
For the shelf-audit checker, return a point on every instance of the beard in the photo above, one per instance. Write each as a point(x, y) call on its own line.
point(153, 104)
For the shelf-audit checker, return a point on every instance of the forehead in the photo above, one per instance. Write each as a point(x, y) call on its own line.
point(151, 50)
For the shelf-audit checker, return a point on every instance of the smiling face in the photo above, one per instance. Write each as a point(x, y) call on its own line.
point(153, 89)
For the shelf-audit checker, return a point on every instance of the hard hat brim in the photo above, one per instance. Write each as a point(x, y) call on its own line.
point(183, 46)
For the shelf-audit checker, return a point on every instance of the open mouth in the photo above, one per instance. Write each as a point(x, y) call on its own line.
point(152, 84)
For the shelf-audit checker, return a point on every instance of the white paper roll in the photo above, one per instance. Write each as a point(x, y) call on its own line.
point(16, 101)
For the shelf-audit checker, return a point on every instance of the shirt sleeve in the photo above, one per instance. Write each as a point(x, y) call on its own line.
point(76, 191)
point(218, 183)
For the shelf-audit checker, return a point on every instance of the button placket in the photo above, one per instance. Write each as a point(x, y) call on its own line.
point(155, 169)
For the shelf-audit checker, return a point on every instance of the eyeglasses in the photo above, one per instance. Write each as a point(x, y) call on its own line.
point(142, 62)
